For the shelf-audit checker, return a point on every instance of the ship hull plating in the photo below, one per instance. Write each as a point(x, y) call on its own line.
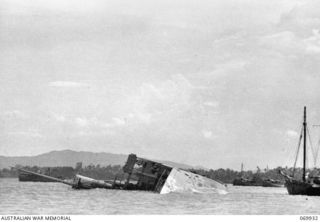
point(296, 187)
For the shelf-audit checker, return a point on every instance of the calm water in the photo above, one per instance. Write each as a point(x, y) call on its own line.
point(54, 198)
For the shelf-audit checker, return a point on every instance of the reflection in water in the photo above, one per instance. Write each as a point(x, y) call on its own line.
point(55, 198)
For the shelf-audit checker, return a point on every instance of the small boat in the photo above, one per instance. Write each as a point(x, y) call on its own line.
point(272, 183)
point(306, 185)
point(147, 175)
point(247, 182)
point(257, 182)
point(242, 181)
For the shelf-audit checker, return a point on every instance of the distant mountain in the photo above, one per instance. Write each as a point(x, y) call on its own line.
point(70, 158)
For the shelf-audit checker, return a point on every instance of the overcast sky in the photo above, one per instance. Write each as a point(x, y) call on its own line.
point(210, 83)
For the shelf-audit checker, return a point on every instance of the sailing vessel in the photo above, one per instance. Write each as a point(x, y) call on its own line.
point(307, 185)
point(254, 180)
point(242, 181)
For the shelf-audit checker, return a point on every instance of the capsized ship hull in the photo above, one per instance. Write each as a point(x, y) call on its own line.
point(184, 181)
point(160, 178)
point(147, 175)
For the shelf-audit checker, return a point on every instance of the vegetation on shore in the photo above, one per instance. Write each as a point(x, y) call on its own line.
point(93, 171)
point(228, 175)
point(109, 172)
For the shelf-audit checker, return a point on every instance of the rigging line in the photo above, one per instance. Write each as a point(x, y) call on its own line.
point(318, 146)
point(317, 152)
point(297, 152)
point(289, 151)
point(312, 150)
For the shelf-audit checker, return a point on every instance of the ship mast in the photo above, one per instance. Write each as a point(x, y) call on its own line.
point(304, 143)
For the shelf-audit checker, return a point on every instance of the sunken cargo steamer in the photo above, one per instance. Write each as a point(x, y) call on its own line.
point(146, 175)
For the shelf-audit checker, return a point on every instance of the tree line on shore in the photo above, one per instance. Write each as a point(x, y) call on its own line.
point(111, 171)
point(228, 175)
point(93, 171)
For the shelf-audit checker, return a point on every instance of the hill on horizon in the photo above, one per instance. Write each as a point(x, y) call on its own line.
point(70, 158)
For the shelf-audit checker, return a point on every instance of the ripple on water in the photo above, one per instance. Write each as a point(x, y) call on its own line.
point(54, 198)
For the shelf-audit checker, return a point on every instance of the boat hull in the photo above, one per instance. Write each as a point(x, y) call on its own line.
point(242, 182)
point(296, 187)
point(271, 184)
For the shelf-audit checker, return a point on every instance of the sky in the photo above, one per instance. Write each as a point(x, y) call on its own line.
point(208, 83)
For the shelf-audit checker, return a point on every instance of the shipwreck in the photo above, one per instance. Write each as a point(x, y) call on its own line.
point(146, 175)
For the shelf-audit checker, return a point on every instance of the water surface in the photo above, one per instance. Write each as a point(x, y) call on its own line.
point(55, 198)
